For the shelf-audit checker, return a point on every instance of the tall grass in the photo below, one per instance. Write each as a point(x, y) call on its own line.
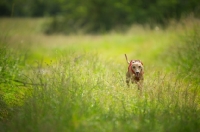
point(89, 96)
point(84, 89)
point(186, 55)
point(10, 68)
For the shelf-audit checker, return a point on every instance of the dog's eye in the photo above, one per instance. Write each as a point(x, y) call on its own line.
point(140, 67)
point(134, 67)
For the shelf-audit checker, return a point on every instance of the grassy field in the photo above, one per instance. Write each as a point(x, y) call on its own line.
point(77, 82)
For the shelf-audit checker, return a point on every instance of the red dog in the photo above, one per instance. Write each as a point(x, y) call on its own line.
point(135, 72)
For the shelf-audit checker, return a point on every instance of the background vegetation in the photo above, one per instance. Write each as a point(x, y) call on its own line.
point(94, 16)
point(186, 55)
point(76, 82)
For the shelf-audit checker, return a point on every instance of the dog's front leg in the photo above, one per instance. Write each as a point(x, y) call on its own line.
point(140, 85)
point(127, 79)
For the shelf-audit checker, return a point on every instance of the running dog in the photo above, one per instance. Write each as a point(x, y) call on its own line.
point(135, 72)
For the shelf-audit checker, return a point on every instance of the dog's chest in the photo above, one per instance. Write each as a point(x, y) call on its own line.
point(134, 78)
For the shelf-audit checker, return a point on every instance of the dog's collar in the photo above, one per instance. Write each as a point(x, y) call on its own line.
point(130, 67)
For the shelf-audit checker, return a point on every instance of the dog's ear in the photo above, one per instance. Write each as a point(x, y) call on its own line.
point(140, 62)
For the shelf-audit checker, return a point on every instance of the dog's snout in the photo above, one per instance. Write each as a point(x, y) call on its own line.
point(137, 73)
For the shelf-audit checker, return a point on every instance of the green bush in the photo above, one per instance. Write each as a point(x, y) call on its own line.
point(99, 15)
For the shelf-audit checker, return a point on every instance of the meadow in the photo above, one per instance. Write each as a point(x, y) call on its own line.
point(77, 82)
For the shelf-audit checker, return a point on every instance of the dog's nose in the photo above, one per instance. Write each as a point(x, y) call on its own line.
point(137, 73)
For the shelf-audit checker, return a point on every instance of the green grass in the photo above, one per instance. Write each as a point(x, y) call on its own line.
point(77, 82)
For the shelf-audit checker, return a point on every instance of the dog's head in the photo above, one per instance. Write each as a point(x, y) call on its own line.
point(136, 67)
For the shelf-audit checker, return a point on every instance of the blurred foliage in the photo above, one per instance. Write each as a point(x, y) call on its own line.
point(10, 94)
point(8, 65)
point(98, 15)
point(184, 56)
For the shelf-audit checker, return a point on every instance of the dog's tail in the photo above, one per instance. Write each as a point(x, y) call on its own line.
point(127, 59)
